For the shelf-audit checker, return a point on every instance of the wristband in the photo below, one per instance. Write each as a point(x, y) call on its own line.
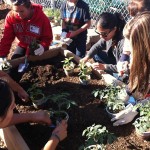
point(124, 57)
point(55, 135)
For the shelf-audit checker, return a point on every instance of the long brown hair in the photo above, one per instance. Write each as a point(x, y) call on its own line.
point(139, 35)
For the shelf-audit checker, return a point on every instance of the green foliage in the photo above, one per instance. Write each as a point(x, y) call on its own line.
point(143, 122)
point(68, 64)
point(33, 45)
point(84, 69)
point(97, 135)
point(62, 100)
point(52, 13)
point(111, 95)
point(34, 92)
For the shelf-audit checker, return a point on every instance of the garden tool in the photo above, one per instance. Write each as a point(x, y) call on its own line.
point(23, 66)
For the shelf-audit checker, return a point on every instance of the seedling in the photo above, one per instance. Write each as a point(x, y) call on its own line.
point(62, 100)
point(142, 124)
point(68, 66)
point(97, 136)
point(37, 97)
point(84, 74)
point(33, 46)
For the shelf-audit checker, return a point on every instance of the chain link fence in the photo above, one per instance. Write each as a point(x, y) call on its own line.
point(96, 6)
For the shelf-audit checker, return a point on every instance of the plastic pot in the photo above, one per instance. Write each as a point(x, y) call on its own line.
point(83, 81)
point(68, 72)
point(39, 101)
point(57, 116)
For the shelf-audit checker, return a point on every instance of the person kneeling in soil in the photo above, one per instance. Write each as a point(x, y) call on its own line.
point(138, 34)
point(107, 51)
point(28, 23)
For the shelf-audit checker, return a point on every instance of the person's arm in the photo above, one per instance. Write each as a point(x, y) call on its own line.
point(58, 135)
point(14, 86)
point(80, 30)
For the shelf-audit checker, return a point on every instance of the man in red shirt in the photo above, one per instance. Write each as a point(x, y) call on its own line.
point(27, 22)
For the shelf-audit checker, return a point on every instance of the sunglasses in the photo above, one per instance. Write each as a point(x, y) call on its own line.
point(19, 2)
point(103, 34)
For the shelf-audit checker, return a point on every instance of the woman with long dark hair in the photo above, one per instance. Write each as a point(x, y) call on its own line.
point(106, 52)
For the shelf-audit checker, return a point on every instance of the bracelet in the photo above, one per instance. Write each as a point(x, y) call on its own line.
point(55, 135)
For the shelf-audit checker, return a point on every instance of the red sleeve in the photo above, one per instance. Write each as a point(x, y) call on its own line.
point(47, 35)
point(8, 37)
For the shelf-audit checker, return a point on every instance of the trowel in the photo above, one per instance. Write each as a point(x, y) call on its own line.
point(23, 66)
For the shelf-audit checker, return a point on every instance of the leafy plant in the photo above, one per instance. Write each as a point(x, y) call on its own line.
point(85, 69)
point(143, 122)
point(62, 100)
point(5, 65)
point(68, 63)
point(35, 93)
point(33, 46)
point(53, 14)
point(97, 135)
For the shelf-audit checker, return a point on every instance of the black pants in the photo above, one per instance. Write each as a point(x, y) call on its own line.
point(19, 52)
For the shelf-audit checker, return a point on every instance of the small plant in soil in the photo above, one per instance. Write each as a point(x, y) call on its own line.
point(5, 65)
point(62, 101)
point(97, 137)
point(85, 69)
point(37, 96)
point(33, 46)
point(84, 74)
point(142, 124)
point(68, 63)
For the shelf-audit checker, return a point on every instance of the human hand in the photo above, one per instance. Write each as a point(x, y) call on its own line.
point(39, 51)
point(41, 117)
point(61, 130)
point(122, 67)
point(63, 35)
point(98, 66)
point(23, 95)
point(125, 116)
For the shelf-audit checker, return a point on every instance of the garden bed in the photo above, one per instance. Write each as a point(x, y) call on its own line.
point(51, 78)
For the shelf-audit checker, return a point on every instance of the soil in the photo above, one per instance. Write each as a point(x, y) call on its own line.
point(51, 78)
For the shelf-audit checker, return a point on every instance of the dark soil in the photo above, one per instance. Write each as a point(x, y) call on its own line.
point(51, 79)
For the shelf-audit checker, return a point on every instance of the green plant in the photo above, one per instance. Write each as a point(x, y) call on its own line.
point(97, 135)
point(53, 14)
point(85, 69)
point(36, 93)
point(62, 100)
point(68, 64)
point(115, 106)
point(143, 122)
point(33, 46)
point(5, 65)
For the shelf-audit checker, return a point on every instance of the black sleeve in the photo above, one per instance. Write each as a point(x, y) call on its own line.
point(99, 46)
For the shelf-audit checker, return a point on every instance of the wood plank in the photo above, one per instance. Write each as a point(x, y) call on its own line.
point(13, 139)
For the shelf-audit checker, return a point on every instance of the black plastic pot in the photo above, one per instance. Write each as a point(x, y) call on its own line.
point(57, 116)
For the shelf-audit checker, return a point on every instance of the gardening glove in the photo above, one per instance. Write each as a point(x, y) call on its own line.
point(40, 50)
point(63, 35)
point(125, 116)
point(122, 67)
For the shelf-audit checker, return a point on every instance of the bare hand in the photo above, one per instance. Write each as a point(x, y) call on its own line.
point(61, 130)
point(98, 66)
point(23, 95)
